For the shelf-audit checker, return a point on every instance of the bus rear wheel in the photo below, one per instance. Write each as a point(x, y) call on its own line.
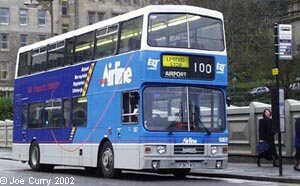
point(34, 159)
point(106, 162)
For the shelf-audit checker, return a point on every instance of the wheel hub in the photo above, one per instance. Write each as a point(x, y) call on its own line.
point(34, 156)
point(107, 159)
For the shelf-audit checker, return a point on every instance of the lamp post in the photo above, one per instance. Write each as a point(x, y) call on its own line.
point(46, 5)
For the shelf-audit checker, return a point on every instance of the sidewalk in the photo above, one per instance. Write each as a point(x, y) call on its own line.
point(250, 171)
point(247, 171)
point(6, 153)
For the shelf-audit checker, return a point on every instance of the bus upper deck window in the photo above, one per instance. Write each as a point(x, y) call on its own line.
point(131, 35)
point(56, 54)
point(84, 47)
point(39, 57)
point(180, 30)
point(24, 63)
point(106, 41)
point(69, 51)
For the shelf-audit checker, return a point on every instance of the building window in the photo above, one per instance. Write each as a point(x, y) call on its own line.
point(91, 18)
point(101, 16)
point(64, 7)
point(42, 37)
point(4, 70)
point(23, 17)
point(118, 1)
point(115, 14)
point(4, 16)
point(136, 2)
point(24, 39)
point(152, 2)
point(65, 28)
point(42, 17)
point(4, 41)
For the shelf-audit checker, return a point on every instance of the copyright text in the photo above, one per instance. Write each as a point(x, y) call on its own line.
point(37, 181)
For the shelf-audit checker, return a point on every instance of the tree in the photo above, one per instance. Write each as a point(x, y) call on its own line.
point(250, 38)
point(249, 35)
point(6, 108)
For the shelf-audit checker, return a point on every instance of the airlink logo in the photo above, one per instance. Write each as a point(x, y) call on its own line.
point(221, 68)
point(114, 74)
point(152, 64)
point(189, 141)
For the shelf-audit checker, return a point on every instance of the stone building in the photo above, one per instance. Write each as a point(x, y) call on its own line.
point(19, 26)
point(23, 23)
point(293, 17)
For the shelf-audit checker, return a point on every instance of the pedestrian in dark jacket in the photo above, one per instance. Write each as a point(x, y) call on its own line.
point(266, 134)
point(297, 145)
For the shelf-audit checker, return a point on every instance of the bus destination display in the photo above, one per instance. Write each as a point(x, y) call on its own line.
point(187, 67)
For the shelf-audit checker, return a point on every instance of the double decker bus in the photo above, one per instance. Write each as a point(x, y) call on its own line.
point(142, 91)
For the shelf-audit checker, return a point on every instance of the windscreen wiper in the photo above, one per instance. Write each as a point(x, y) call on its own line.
point(171, 127)
point(206, 129)
point(202, 125)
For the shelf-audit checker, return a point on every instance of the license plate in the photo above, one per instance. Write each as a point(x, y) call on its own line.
point(185, 165)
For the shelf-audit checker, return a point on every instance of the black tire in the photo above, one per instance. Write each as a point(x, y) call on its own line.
point(106, 162)
point(90, 170)
point(34, 159)
point(181, 173)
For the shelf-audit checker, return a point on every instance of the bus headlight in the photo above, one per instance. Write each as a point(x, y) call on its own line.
point(155, 164)
point(219, 164)
point(213, 150)
point(161, 149)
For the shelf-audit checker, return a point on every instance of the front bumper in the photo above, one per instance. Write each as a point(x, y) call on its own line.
point(160, 163)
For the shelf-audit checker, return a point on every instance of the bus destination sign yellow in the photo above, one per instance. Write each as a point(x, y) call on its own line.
point(175, 61)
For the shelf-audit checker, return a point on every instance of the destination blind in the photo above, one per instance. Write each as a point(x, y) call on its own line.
point(187, 67)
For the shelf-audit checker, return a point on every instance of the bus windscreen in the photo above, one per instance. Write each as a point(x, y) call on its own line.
point(185, 31)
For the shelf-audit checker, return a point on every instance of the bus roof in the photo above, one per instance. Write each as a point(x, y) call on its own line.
point(143, 11)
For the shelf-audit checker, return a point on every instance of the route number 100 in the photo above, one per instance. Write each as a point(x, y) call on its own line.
point(203, 68)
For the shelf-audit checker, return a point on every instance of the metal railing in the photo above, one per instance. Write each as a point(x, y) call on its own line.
point(6, 131)
point(242, 126)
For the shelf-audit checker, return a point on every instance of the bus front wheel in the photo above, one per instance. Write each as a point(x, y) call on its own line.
point(106, 161)
point(181, 173)
point(34, 159)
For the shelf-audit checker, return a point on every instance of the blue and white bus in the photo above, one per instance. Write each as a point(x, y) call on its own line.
point(141, 91)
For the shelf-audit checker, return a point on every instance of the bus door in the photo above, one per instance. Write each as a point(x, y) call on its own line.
point(128, 131)
point(130, 116)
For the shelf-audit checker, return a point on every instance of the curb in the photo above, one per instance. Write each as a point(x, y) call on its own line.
point(226, 175)
point(5, 158)
point(246, 177)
